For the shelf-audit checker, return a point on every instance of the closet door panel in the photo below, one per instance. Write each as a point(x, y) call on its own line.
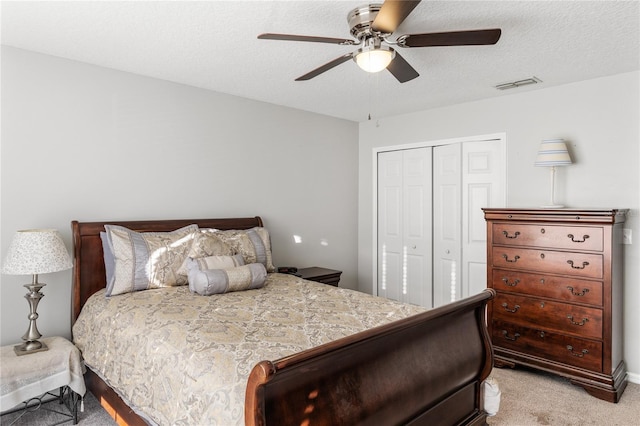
point(446, 223)
point(417, 183)
point(390, 218)
point(404, 225)
point(483, 176)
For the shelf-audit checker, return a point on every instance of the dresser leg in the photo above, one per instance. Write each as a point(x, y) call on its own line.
point(609, 395)
point(612, 387)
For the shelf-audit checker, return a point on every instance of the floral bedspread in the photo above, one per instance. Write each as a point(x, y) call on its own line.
point(184, 359)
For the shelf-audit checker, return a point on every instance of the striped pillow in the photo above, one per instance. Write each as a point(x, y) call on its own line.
point(217, 281)
point(145, 260)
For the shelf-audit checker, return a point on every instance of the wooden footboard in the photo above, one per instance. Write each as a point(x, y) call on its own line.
point(426, 369)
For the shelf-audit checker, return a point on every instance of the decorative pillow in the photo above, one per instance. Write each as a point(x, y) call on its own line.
point(253, 244)
point(218, 262)
point(109, 260)
point(145, 260)
point(217, 281)
point(207, 242)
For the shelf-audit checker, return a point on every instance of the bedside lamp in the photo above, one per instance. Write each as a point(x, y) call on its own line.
point(553, 153)
point(33, 252)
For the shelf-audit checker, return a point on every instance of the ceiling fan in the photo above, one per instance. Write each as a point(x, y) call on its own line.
point(372, 25)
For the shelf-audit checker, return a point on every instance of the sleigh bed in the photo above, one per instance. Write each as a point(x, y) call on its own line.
point(305, 353)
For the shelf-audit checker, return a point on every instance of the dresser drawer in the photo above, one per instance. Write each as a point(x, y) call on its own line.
point(560, 288)
point(574, 351)
point(588, 238)
point(554, 262)
point(557, 316)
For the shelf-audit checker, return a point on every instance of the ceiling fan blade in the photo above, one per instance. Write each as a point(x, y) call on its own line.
point(292, 37)
point(453, 38)
point(392, 13)
point(325, 67)
point(401, 69)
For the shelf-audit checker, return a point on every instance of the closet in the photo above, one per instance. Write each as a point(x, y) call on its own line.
point(431, 233)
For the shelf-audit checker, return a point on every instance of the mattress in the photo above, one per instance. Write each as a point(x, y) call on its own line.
point(180, 358)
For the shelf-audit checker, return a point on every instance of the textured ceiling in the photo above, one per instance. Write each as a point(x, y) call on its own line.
point(213, 45)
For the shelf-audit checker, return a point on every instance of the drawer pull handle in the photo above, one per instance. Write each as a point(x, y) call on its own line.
point(581, 323)
point(584, 238)
point(513, 284)
point(506, 308)
point(506, 234)
point(578, 354)
point(584, 291)
point(570, 262)
point(515, 259)
point(506, 336)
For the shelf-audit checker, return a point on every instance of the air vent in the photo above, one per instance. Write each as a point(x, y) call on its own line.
point(519, 83)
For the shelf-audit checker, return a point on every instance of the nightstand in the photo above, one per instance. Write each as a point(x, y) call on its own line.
point(321, 275)
point(26, 381)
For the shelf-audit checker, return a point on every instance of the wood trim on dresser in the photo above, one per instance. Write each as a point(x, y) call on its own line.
point(553, 258)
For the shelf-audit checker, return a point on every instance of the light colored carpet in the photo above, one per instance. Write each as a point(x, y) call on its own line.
point(528, 398)
point(534, 398)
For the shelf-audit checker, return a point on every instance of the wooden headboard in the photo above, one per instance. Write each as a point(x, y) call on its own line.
point(88, 268)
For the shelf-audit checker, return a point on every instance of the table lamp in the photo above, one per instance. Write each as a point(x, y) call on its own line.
point(553, 153)
point(33, 252)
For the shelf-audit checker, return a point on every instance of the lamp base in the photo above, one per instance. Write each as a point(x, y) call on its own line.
point(553, 206)
point(32, 347)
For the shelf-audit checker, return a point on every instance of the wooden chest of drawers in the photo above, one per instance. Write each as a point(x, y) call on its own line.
point(558, 307)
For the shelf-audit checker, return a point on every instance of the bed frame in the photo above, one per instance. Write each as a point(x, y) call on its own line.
point(425, 369)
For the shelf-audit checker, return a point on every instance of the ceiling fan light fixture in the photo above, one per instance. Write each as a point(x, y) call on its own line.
point(374, 59)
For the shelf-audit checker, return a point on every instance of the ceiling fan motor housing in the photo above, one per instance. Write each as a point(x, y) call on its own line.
point(360, 20)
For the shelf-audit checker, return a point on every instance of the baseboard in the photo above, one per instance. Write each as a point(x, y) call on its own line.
point(633, 378)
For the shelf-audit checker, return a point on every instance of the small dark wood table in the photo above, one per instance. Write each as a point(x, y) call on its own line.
point(321, 275)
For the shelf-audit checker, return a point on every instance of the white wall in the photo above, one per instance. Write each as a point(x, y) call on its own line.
point(89, 143)
point(600, 121)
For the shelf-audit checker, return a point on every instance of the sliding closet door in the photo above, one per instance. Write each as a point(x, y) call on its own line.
point(483, 185)
point(466, 177)
point(447, 223)
point(404, 226)
point(431, 229)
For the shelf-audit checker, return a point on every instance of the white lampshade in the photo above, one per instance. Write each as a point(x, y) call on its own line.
point(553, 152)
point(36, 251)
point(374, 59)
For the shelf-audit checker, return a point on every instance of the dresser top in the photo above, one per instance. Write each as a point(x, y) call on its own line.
point(557, 215)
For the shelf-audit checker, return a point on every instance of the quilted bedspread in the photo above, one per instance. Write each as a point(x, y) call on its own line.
point(183, 359)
